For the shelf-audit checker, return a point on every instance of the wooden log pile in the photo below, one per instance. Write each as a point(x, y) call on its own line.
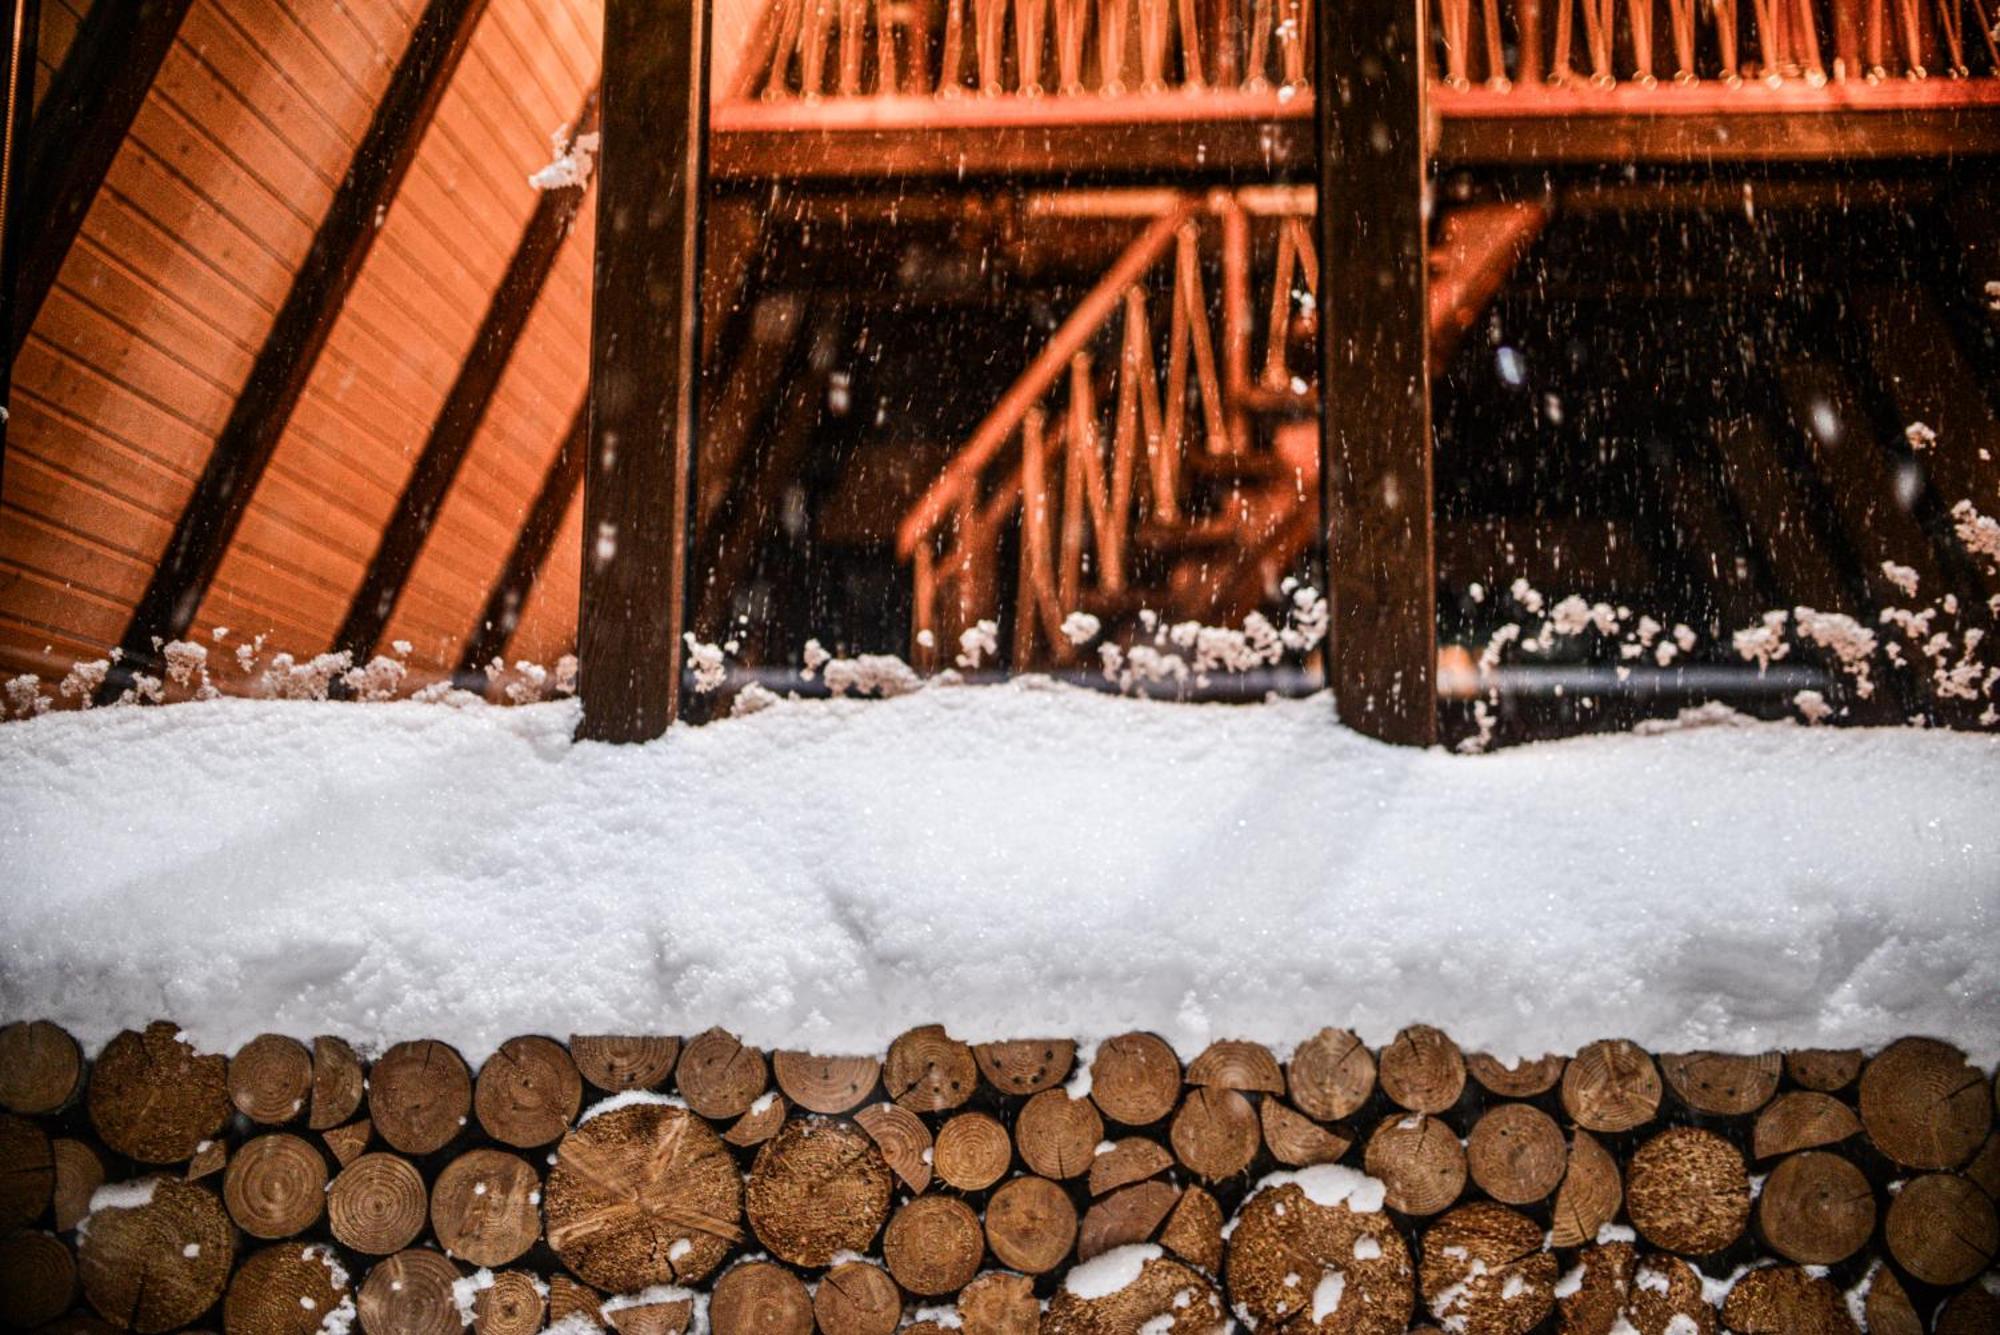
point(651, 1184)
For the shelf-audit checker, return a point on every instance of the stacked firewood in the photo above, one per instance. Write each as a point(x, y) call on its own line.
point(655, 1185)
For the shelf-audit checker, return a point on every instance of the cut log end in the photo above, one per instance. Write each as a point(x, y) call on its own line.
point(1133, 1159)
point(1215, 1133)
point(1516, 1154)
point(528, 1092)
point(1030, 1225)
point(158, 1265)
point(337, 1083)
point(1235, 1064)
point(856, 1298)
point(275, 1186)
point(760, 1298)
point(719, 1076)
point(1611, 1086)
point(377, 1204)
point(1135, 1079)
point(1591, 1194)
point(1484, 1271)
point(1331, 1075)
point(1418, 1160)
point(1193, 1231)
point(37, 1279)
point(998, 1303)
point(1289, 1254)
point(929, 1071)
point(27, 1171)
point(818, 1188)
point(153, 1098)
point(1784, 1300)
point(1025, 1067)
point(1721, 1084)
point(1525, 1079)
point(828, 1085)
point(905, 1143)
point(1802, 1120)
point(1058, 1135)
point(1422, 1070)
point(615, 1063)
point(1823, 1069)
point(291, 1288)
point(1296, 1141)
point(486, 1207)
point(511, 1305)
point(41, 1067)
point(1126, 1216)
point(973, 1152)
point(270, 1079)
point(1924, 1106)
point(1688, 1191)
point(1816, 1208)
point(410, 1293)
point(1942, 1229)
point(419, 1095)
point(934, 1245)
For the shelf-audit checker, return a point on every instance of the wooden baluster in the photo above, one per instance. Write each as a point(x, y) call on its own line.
point(1726, 33)
point(777, 85)
point(1910, 25)
point(1496, 51)
point(812, 54)
point(1192, 77)
point(1276, 374)
point(1236, 318)
point(1292, 43)
point(1599, 20)
point(1070, 17)
point(990, 18)
point(1681, 15)
point(1208, 378)
point(1257, 68)
point(1773, 50)
point(1642, 40)
point(923, 610)
point(1110, 534)
point(1806, 46)
point(1160, 460)
point(1561, 72)
point(1454, 18)
point(1113, 16)
point(1989, 31)
point(951, 67)
point(1069, 564)
point(1173, 432)
point(1846, 39)
point(888, 73)
point(1125, 423)
point(1229, 43)
point(848, 41)
point(1153, 33)
point(1528, 64)
point(1875, 36)
point(1029, 17)
point(1951, 23)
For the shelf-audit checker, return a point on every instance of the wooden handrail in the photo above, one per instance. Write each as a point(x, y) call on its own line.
point(961, 476)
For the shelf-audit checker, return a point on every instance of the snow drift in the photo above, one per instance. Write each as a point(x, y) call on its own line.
point(1010, 861)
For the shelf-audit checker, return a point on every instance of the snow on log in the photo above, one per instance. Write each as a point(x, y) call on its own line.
point(1134, 1289)
point(1610, 1285)
point(1484, 1271)
point(1313, 1250)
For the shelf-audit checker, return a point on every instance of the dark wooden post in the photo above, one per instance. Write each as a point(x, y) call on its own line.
point(23, 29)
point(1375, 425)
point(645, 328)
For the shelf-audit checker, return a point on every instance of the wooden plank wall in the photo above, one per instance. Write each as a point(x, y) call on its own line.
point(181, 264)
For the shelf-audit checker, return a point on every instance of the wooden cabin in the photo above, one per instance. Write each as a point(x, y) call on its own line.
point(914, 315)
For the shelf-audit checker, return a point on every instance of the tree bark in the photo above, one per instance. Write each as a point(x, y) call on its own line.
point(275, 1186)
point(528, 1092)
point(486, 1207)
point(818, 1187)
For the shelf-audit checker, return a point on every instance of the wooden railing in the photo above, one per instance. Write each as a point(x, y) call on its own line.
point(815, 49)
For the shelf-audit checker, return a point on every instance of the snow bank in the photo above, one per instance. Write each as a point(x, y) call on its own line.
point(1010, 861)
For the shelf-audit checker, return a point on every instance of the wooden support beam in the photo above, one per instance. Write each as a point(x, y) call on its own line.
point(644, 339)
point(77, 132)
point(17, 103)
point(464, 407)
point(285, 361)
point(1375, 425)
point(531, 549)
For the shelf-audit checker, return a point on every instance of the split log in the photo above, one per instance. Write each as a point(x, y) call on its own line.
point(1291, 1254)
point(973, 1152)
point(1924, 1106)
point(291, 1288)
point(41, 1067)
point(818, 1187)
point(568, 1298)
point(856, 1298)
point(79, 1172)
point(210, 1158)
point(1688, 1191)
point(528, 1092)
point(1784, 1300)
point(159, 1265)
point(1128, 1215)
point(1030, 1225)
point(1516, 1154)
point(1135, 1079)
point(1802, 1120)
point(1720, 1084)
point(998, 1303)
point(1133, 1159)
point(1523, 1079)
point(1215, 1133)
point(1816, 1209)
point(929, 1071)
point(1419, 1160)
point(270, 1078)
point(719, 1076)
point(418, 1095)
point(640, 1195)
point(1484, 1271)
point(904, 1140)
point(153, 1098)
point(1941, 1229)
point(1330, 1075)
point(760, 1298)
point(1295, 1140)
point(27, 1171)
point(377, 1204)
point(1973, 1311)
point(1611, 1086)
point(934, 1245)
point(1823, 1069)
point(1025, 1066)
point(348, 1142)
point(486, 1207)
point(410, 1293)
point(37, 1279)
point(1886, 1309)
point(1591, 1194)
point(760, 1121)
point(275, 1186)
point(1134, 1291)
point(1612, 1291)
point(1058, 1135)
point(1422, 1070)
point(337, 1083)
point(1235, 1064)
point(632, 1316)
point(1194, 1230)
point(615, 1063)
point(511, 1305)
point(825, 1084)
